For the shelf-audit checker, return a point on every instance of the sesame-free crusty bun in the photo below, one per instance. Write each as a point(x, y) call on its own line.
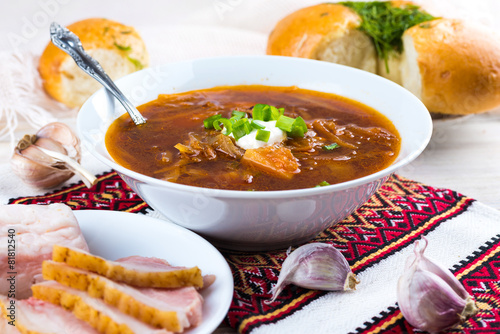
point(117, 47)
point(324, 32)
point(453, 66)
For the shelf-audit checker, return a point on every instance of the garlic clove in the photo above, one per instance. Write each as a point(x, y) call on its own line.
point(38, 175)
point(436, 303)
point(316, 266)
point(88, 179)
point(34, 167)
point(36, 155)
point(430, 297)
point(433, 267)
point(43, 170)
point(62, 134)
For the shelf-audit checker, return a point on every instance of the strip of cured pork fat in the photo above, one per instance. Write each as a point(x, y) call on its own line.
point(27, 235)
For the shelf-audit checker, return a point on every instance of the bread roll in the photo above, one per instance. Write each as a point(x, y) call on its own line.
point(117, 47)
point(393, 69)
point(451, 65)
point(324, 32)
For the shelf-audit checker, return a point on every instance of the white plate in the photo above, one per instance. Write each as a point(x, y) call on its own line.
point(114, 234)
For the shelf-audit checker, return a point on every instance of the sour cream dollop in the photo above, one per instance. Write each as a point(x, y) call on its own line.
point(249, 141)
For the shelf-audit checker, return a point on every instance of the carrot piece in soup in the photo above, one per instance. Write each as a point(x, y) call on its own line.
point(275, 160)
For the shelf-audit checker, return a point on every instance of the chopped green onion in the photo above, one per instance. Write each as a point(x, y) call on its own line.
point(228, 126)
point(209, 122)
point(322, 184)
point(257, 126)
point(258, 111)
point(238, 114)
point(240, 125)
point(285, 123)
point(275, 113)
point(248, 127)
point(263, 135)
point(216, 125)
point(299, 128)
point(331, 146)
point(266, 113)
point(238, 133)
point(241, 128)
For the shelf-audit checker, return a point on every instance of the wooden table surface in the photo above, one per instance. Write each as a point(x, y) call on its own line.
point(463, 155)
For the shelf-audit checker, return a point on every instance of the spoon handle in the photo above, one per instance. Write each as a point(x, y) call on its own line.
point(71, 44)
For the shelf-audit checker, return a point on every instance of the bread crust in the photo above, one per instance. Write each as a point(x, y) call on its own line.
point(95, 34)
point(459, 66)
point(304, 32)
point(458, 62)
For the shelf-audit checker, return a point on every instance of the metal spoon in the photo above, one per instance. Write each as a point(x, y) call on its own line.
point(71, 44)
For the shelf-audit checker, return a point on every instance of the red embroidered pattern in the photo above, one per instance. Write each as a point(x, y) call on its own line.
point(377, 229)
point(480, 276)
point(110, 193)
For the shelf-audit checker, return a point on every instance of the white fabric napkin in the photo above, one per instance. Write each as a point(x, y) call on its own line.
point(349, 311)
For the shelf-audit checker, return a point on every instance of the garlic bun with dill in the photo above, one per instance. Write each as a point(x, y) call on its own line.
point(118, 48)
point(452, 65)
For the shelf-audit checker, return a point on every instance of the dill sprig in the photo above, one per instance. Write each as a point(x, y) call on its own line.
point(386, 24)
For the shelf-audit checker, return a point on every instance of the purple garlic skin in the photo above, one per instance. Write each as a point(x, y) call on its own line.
point(430, 297)
point(317, 266)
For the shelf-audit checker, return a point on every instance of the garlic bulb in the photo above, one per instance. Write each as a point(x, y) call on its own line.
point(316, 266)
point(429, 296)
point(33, 160)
